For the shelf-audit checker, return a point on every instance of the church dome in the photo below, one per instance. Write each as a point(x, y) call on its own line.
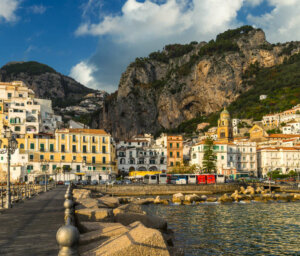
point(225, 114)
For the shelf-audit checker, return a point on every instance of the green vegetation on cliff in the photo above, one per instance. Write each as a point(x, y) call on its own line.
point(280, 83)
point(30, 67)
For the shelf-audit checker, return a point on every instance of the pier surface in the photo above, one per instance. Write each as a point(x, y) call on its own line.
point(30, 227)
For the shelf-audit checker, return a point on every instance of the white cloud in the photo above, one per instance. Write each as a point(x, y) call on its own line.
point(150, 20)
point(82, 72)
point(143, 27)
point(38, 9)
point(282, 23)
point(8, 9)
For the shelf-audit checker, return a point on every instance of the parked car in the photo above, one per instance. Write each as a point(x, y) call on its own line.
point(94, 182)
point(67, 183)
point(127, 182)
point(102, 182)
point(111, 182)
point(60, 182)
point(84, 182)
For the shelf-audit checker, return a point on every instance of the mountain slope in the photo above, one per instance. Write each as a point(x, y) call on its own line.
point(45, 82)
point(187, 81)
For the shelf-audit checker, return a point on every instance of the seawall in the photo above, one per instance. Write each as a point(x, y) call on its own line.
point(141, 189)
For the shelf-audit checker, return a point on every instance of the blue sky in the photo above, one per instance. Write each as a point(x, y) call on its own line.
point(94, 40)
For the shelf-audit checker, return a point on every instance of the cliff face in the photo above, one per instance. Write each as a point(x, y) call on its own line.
point(44, 81)
point(162, 91)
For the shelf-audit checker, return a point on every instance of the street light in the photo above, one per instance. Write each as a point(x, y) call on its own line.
point(10, 148)
point(45, 168)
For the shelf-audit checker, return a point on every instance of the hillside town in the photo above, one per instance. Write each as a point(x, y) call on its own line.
point(72, 152)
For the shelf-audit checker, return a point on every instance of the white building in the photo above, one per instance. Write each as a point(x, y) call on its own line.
point(231, 157)
point(141, 155)
point(278, 158)
point(292, 127)
point(262, 97)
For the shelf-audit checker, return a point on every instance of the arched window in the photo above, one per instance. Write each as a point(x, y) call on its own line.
point(122, 161)
point(132, 161)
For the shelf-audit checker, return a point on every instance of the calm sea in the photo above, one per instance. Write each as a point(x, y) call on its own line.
point(234, 229)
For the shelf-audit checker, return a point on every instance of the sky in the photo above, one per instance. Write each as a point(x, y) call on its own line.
point(93, 41)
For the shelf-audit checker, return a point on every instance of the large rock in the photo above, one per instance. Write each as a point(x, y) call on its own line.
point(108, 202)
point(192, 198)
point(296, 196)
point(178, 198)
point(88, 202)
point(100, 231)
point(138, 241)
point(94, 214)
point(143, 201)
point(149, 221)
point(225, 199)
point(133, 208)
point(79, 194)
point(211, 199)
point(158, 200)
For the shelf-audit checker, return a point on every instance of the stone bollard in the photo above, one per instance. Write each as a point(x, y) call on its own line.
point(69, 211)
point(67, 237)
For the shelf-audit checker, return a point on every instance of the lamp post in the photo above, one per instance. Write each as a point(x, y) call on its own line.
point(8, 149)
point(45, 167)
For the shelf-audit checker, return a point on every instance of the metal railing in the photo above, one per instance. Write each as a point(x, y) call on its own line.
point(21, 192)
point(68, 236)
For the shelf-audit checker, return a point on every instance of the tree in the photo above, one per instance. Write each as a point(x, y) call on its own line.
point(209, 158)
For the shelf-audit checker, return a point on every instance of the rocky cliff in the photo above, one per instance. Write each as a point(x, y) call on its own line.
point(45, 82)
point(185, 81)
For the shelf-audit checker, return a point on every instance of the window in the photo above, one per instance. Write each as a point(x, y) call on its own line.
point(250, 149)
point(171, 163)
point(51, 157)
point(152, 161)
point(33, 111)
point(21, 145)
point(171, 145)
point(103, 168)
point(62, 148)
point(20, 95)
point(89, 168)
point(51, 147)
point(104, 159)
point(78, 168)
point(17, 128)
point(31, 157)
point(162, 153)
point(84, 149)
point(74, 148)
point(83, 139)
point(244, 165)
point(177, 145)
point(103, 139)
point(94, 168)
point(54, 167)
point(62, 157)
point(31, 145)
point(93, 139)
point(93, 149)
point(9, 95)
point(42, 147)
point(103, 149)
point(62, 136)
point(74, 138)
point(178, 154)
point(93, 160)
point(41, 157)
point(74, 158)
point(177, 163)
point(84, 159)
point(222, 147)
point(222, 157)
point(171, 154)
point(244, 158)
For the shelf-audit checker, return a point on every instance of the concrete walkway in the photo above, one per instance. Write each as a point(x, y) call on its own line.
point(29, 228)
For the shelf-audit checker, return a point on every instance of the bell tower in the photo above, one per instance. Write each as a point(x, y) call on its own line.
point(225, 133)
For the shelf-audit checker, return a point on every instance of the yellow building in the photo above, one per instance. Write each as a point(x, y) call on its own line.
point(69, 154)
point(224, 131)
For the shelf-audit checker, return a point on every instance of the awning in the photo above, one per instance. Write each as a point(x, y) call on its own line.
point(79, 173)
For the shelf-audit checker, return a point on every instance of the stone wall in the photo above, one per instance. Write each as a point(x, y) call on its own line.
point(138, 190)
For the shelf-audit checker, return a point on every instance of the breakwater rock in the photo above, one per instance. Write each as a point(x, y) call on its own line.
point(108, 227)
